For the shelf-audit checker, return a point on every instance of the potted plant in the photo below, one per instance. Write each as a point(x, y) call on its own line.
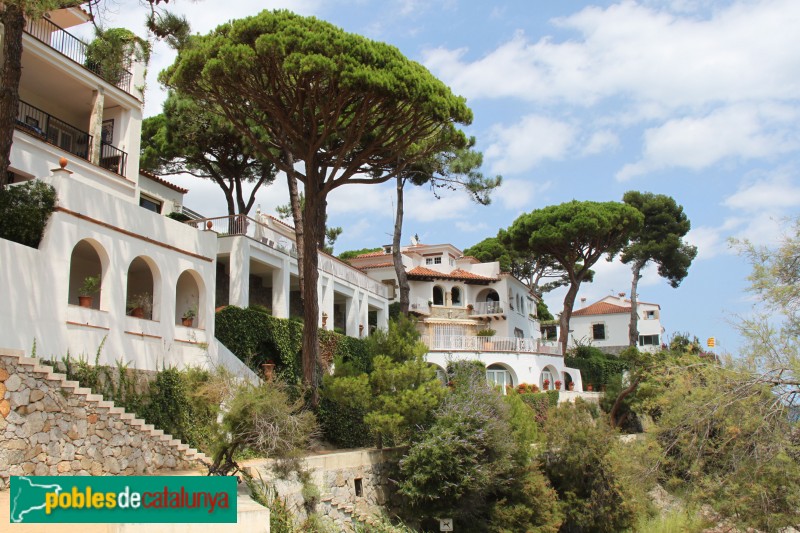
point(90, 286)
point(140, 305)
point(188, 316)
point(546, 384)
point(324, 320)
point(470, 307)
point(558, 384)
point(488, 333)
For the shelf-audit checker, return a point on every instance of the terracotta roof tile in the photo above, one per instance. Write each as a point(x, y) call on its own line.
point(279, 221)
point(458, 273)
point(379, 265)
point(371, 254)
point(162, 181)
point(601, 308)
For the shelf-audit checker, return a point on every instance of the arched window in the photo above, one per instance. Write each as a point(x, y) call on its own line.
point(188, 298)
point(498, 375)
point(455, 296)
point(86, 274)
point(438, 296)
point(142, 294)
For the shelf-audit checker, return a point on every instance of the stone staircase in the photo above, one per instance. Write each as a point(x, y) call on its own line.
point(29, 394)
point(345, 515)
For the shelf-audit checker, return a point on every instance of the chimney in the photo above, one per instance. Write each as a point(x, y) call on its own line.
point(621, 296)
point(583, 302)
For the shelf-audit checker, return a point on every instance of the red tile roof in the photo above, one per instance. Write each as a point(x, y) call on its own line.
point(371, 254)
point(601, 308)
point(422, 272)
point(279, 221)
point(162, 181)
point(379, 265)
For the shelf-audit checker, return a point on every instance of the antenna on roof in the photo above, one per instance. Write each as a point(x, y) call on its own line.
point(415, 240)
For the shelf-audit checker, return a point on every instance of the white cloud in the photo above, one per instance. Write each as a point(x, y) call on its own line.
point(643, 53)
point(523, 145)
point(601, 141)
point(713, 241)
point(422, 206)
point(744, 131)
point(519, 194)
point(771, 193)
point(471, 227)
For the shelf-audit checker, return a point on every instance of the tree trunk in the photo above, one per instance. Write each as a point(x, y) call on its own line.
point(14, 23)
point(618, 403)
point(566, 314)
point(397, 257)
point(633, 327)
point(297, 215)
point(315, 199)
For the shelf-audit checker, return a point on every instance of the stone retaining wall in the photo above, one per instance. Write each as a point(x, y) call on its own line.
point(51, 426)
point(339, 476)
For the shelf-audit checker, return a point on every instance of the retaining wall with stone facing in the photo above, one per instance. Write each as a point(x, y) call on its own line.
point(51, 426)
point(354, 485)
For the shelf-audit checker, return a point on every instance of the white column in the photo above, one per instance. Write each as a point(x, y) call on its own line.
point(326, 299)
point(281, 286)
point(240, 273)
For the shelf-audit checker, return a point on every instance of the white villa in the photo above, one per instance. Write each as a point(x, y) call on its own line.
point(80, 133)
point(605, 324)
point(456, 297)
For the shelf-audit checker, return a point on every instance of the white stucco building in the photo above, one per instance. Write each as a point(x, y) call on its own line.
point(80, 132)
point(456, 297)
point(604, 324)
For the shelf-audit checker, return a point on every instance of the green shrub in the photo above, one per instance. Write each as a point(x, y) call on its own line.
point(169, 407)
point(597, 368)
point(540, 402)
point(342, 425)
point(24, 211)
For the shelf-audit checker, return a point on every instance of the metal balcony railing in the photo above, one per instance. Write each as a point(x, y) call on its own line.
point(70, 46)
point(113, 159)
point(55, 131)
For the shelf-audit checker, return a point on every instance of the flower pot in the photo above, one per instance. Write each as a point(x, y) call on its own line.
point(85, 301)
point(546, 386)
point(268, 369)
point(137, 312)
point(188, 322)
point(571, 385)
point(558, 386)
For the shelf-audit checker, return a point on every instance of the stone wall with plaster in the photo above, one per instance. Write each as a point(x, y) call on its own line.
point(352, 485)
point(51, 426)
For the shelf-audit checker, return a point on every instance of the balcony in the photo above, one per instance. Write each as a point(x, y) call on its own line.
point(487, 308)
point(244, 226)
point(73, 48)
point(50, 129)
point(473, 343)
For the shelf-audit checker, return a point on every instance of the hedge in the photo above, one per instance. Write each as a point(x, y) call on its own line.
point(24, 211)
point(597, 370)
point(255, 337)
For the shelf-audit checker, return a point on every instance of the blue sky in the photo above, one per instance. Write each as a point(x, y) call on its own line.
point(697, 99)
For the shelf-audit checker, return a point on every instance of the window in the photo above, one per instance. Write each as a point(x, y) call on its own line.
point(437, 260)
point(499, 376)
point(151, 204)
point(455, 295)
point(649, 315)
point(648, 340)
point(598, 332)
point(429, 261)
point(438, 296)
point(452, 262)
point(433, 260)
point(519, 334)
point(549, 332)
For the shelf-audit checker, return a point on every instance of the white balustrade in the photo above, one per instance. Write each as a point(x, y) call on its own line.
point(487, 308)
point(488, 344)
